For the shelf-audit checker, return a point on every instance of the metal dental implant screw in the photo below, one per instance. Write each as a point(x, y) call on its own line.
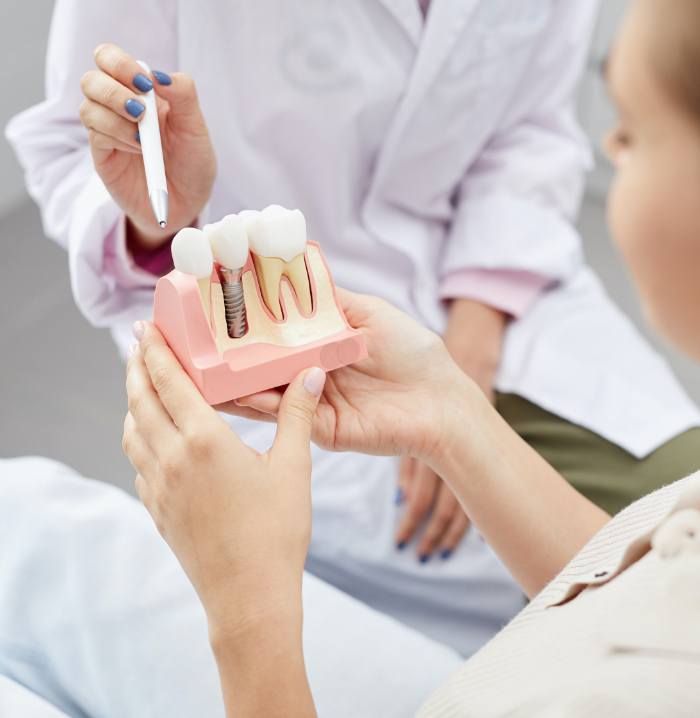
point(234, 302)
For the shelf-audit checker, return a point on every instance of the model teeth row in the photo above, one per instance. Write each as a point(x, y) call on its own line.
point(277, 239)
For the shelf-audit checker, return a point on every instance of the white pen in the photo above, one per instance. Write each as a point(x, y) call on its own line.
point(152, 151)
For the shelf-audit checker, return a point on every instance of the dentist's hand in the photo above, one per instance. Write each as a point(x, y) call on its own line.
point(239, 522)
point(110, 112)
point(398, 401)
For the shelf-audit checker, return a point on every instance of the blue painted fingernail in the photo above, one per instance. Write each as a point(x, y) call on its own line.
point(445, 553)
point(138, 137)
point(142, 83)
point(424, 558)
point(162, 78)
point(401, 545)
point(399, 497)
point(134, 107)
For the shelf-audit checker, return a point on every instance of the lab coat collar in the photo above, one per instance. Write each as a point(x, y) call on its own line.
point(445, 24)
point(434, 39)
point(408, 14)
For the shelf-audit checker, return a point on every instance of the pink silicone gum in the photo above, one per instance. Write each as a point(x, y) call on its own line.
point(179, 315)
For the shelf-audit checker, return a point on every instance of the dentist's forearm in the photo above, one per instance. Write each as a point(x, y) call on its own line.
point(534, 520)
point(139, 240)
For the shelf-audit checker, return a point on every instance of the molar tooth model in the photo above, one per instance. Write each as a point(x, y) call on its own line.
point(244, 321)
point(278, 241)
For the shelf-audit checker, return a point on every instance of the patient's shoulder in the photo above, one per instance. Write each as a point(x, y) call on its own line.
point(620, 541)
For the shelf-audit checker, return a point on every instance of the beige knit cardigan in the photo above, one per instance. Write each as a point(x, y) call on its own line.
point(616, 634)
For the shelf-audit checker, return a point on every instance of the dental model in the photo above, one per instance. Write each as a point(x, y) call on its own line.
point(278, 243)
point(229, 244)
point(192, 254)
point(263, 316)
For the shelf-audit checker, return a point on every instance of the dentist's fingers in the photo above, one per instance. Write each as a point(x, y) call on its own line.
point(445, 509)
point(177, 393)
point(104, 144)
point(118, 64)
point(97, 117)
point(107, 92)
point(180, 91)
point(406, 467)
point(418, 504)
point(455, 533)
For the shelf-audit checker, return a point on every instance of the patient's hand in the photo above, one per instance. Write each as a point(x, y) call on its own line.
point(239, 522)
point(397, 401)
point(474, 338)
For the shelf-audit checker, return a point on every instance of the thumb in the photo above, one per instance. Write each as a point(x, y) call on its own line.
point(297, 409)
point(181, 93)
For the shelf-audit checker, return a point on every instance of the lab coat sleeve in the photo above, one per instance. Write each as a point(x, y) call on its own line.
point(52, 146)
point(517, 203)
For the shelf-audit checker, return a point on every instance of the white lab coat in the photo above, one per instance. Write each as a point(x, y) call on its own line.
point(415, 152)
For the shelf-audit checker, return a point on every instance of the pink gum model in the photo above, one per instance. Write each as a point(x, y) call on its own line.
point(179, 315)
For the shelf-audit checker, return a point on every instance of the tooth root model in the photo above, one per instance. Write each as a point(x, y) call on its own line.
point(192, 255)
point(278, 243)
point(229, 243)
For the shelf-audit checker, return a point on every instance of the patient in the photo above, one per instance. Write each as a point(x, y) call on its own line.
point(613, 627)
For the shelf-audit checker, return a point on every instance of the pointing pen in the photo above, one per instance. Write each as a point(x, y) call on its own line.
point(152, 151)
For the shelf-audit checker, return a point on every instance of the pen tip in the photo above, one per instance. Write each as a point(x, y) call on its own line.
point(162, 223)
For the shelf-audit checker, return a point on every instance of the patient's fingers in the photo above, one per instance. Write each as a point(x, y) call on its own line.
point(418, 504)
point(232, 408)
point(152, 421)
point(266, 402)
point(174, 388)
point(144, 492)
point(455, 533)
point(441, 516)
point(137, 449)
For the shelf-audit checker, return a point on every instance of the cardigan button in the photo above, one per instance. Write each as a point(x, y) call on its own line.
point(678, 534)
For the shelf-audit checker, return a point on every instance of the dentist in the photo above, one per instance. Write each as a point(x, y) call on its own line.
point(434, 150)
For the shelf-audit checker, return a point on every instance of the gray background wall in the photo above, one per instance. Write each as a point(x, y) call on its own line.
point(61, 384)
point(24, 26)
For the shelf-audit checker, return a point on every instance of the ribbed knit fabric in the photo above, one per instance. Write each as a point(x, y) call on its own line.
point(629, 646)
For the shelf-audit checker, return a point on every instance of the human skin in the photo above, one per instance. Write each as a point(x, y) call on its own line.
point(187, 150)
point(530, 515)
point(239, 522)
point(474, 333)
point(431, 511)
point(654, 204)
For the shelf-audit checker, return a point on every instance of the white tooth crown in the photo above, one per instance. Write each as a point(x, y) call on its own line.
point(229, 241)
point(192, 253)
point(277, 232)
